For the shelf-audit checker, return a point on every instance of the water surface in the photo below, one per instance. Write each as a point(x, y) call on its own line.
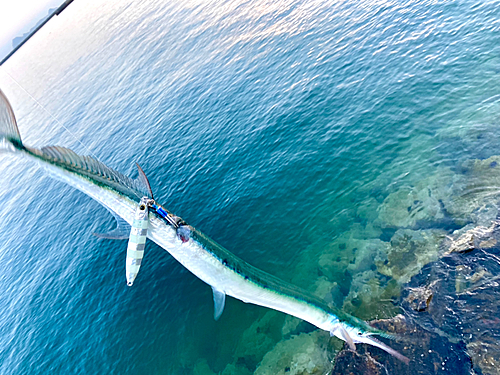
point(277, 128)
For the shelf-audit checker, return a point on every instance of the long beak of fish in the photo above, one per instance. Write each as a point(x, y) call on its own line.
point(370, 340)
point(352, 337)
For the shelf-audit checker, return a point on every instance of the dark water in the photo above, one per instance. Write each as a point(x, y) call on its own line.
point(277, 128)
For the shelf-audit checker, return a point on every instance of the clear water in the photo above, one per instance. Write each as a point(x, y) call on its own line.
point(273, 127)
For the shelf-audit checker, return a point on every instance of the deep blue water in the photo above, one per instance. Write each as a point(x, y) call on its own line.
point(270, 126)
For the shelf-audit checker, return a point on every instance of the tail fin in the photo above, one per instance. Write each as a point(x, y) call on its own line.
point(9, 133)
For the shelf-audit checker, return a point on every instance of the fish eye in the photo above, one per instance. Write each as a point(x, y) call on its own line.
point(142, 207)
point(183, 232)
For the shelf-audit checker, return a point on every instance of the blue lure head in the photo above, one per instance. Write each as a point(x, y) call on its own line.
point(183, 231)
point(164, 214)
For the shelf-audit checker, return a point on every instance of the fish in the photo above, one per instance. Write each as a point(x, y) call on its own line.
point(225, 273)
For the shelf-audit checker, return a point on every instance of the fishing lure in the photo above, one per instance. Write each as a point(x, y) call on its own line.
point(139, 233)
point(137, 240)
point(182, 230)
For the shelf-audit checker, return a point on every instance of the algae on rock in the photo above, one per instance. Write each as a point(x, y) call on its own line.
point(410, 250)
point(370, 297)
point(475, 192)
point(350, 254)
point(259, 338)
point(422, 203)
point(305, 354)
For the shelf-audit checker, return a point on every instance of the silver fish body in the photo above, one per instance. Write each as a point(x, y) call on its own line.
point(216, 266)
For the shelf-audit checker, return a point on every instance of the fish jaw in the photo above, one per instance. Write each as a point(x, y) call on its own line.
point(352, 335)
point(370, 340)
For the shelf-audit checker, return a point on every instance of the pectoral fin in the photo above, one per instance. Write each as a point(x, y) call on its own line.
point(219, 302)
point(121, 232)
point(346, 337)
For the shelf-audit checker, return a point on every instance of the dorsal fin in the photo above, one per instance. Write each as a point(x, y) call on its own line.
point(144, 180)
point(95, 170)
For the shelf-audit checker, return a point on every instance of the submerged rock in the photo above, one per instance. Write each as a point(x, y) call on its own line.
point(474, 193)
point(450, 299)
point(470, 238)
point(233, 369)
point(364, 275)
point(429, 353)
point(290, 326)
point(305, 354)
point(350, 278)
point(350, 254)
point(202, 368)
point(465, 306)
point(409, 207)
point(348, 362)
point(368, 209)
point(446, 200)
point(486, 356)
point(420, 298)
point(410, 250)
point(259, 339)
point(462, 244)
point(371, 295)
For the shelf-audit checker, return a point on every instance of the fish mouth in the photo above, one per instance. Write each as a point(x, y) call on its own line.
point(353, 336)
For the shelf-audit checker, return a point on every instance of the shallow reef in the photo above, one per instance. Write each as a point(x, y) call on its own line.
point(444, 256)
point(423, 260)
point(461, 290)
point(429, 353)
point(407, 261)
point(408, 252)
point(306, 353)
point(419, 204)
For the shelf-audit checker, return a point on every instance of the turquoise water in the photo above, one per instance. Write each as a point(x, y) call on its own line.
point(278, 129)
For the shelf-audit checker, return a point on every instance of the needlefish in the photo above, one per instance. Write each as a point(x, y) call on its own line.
point(227, 274)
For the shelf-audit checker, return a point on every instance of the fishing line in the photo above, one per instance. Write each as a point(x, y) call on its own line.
point(50, 114)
